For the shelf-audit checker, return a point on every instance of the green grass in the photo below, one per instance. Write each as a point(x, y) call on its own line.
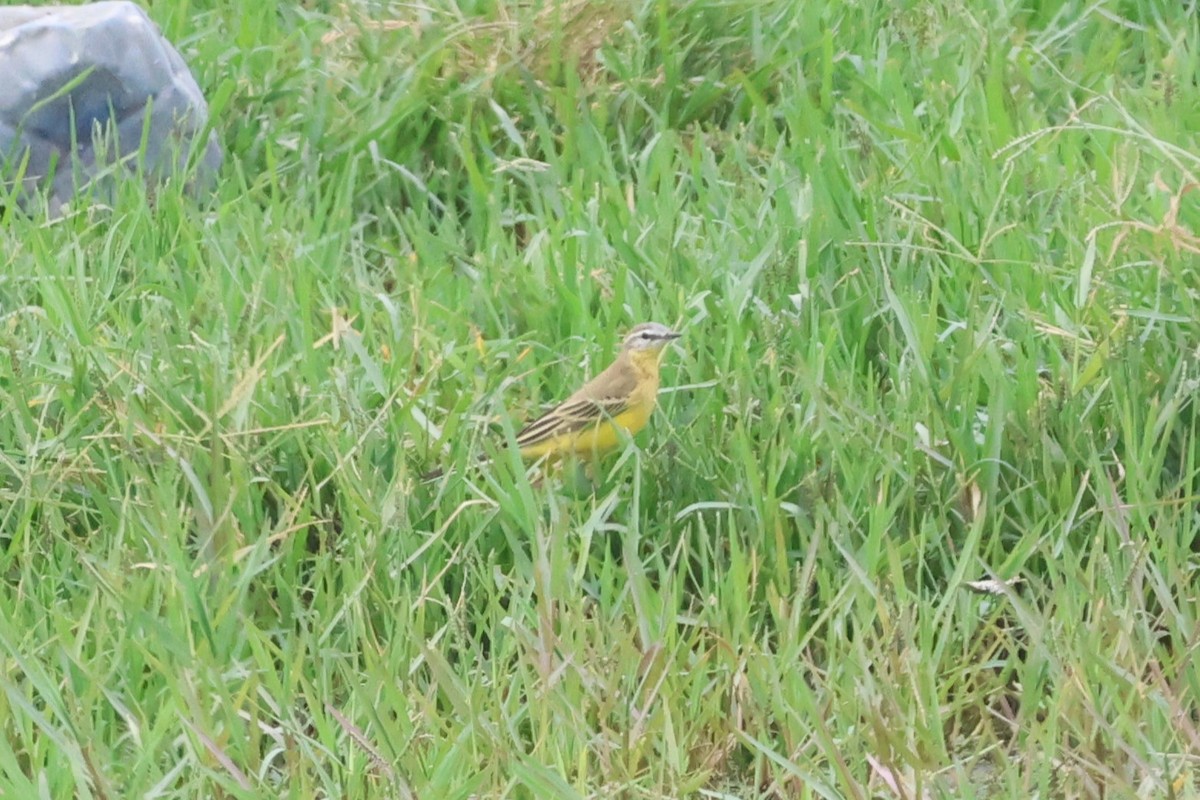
point(936, 263)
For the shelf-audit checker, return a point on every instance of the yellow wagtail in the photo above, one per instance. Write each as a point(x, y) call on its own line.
point(614, 404)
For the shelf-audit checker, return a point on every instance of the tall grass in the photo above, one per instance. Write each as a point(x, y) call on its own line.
point(916, 517)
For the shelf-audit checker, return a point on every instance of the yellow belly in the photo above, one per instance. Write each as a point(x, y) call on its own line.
point(596, 439)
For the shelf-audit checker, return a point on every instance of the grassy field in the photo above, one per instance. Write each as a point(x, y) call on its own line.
point(917, 517)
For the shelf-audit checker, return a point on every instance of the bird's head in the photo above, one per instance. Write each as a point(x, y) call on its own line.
point(648, 337)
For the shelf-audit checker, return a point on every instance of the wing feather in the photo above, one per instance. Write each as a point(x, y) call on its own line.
point(573, 415)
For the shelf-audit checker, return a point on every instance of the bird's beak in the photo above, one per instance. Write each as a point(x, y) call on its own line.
point(669, 335)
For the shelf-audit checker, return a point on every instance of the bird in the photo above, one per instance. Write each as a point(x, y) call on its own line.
point(597, 417)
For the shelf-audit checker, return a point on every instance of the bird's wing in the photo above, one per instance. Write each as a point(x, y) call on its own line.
point(570, 417)
point(580, 410)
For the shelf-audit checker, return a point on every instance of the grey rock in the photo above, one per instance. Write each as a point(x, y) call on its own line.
point(79, 88)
